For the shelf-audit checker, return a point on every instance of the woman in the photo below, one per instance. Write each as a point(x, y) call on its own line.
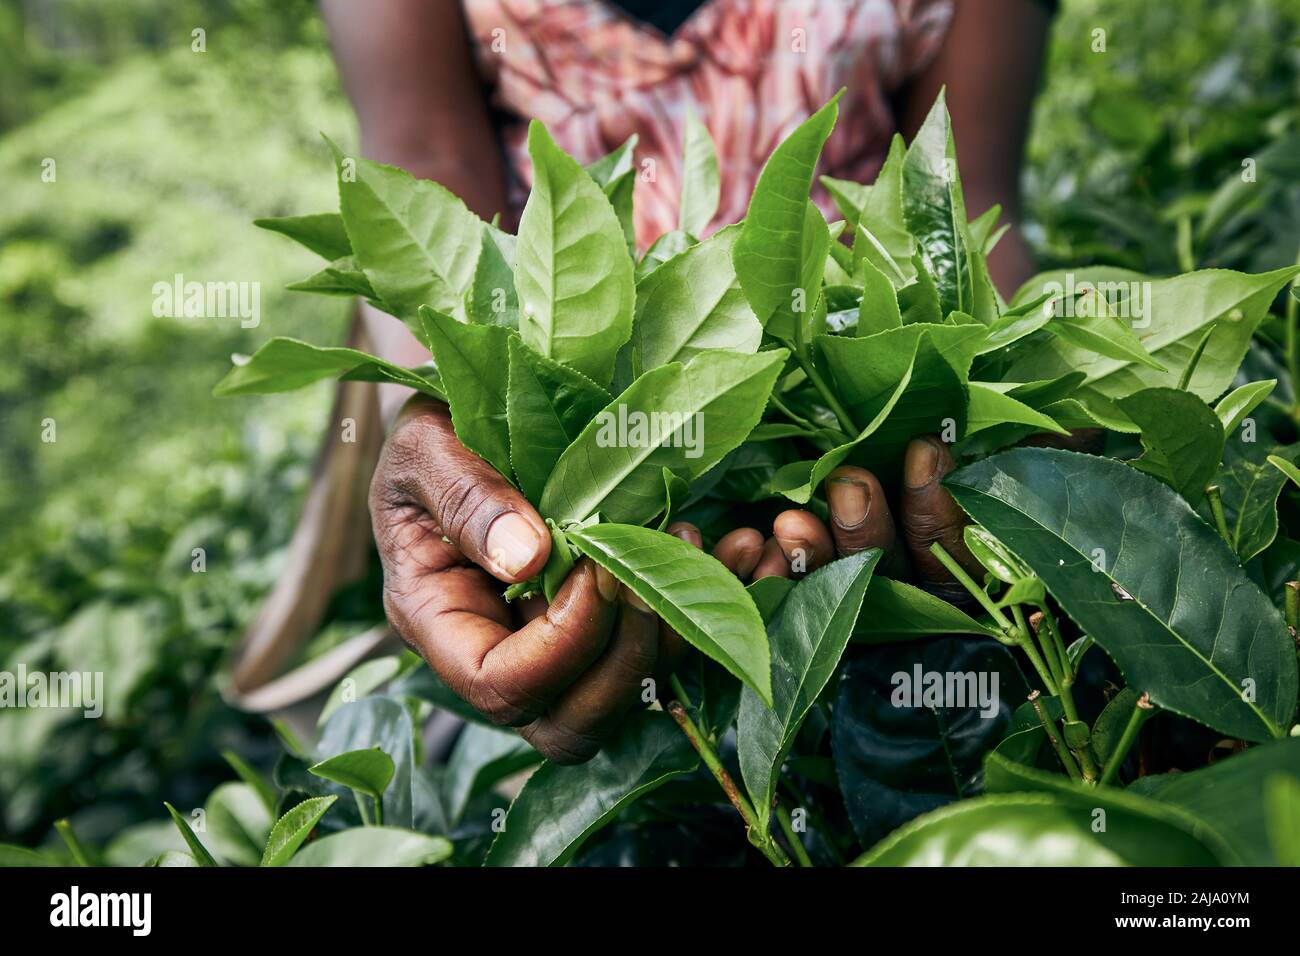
point(444, 90)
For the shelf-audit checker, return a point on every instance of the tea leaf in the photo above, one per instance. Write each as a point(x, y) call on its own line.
point(701, 186)
point(292, 829)
point(374, 846)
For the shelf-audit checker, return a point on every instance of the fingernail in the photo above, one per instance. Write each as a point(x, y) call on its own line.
point(632, 598)
point(850, 502)
point(687, 533)
point(922, 465)
point(512, 542)
point(746, 561)
point(606, 584)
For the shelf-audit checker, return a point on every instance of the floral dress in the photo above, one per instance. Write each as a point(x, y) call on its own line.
point(751, 70)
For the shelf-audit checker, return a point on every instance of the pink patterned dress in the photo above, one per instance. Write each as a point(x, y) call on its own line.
point(752, 70)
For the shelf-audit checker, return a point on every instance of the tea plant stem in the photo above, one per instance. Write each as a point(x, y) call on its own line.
point(1033, 630)
point(977, 592)
point(1142, 710)
point(361, 808)
point(787, 827)
point(79, 854)
point(804, 358)
point(379, 811)
point(1220, 519)
point(1058, 642)
point(1049, 728)
point(1292, 594)
point(789, 413)
point(711, 760)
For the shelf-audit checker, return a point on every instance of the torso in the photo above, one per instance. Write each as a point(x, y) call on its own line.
point(752, 70)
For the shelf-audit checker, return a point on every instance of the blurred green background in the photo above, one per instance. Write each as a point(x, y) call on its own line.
point(164, 155)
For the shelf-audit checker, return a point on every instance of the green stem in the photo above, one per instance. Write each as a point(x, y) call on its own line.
point(379, 811)
point(361, 808)
point(789, 413)
point(79, 854)
point(738, 800)
point(1033, 628)
point(787, 827)
point(1220, 519)
point(1050, 729)
point(1058, 642)
point(1190, 368)
point(977, 592)
point(1142, 710)
point(1025, 641)
point(833, 403)
point(1292, 590)
point(1186, 257)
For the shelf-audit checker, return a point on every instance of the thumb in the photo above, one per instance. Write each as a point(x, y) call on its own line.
point(479, 511)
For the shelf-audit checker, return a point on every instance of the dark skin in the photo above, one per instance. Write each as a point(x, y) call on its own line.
point(451, 531)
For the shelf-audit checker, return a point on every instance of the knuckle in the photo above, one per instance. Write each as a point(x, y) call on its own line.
point(500, 701)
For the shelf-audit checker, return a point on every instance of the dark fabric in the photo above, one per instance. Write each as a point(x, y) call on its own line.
point(665, 15)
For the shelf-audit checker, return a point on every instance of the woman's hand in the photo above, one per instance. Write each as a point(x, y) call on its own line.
point(450, 530)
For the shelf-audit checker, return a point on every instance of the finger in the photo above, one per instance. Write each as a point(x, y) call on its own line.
point(510, 677)
point(860, 516)
point(739, 551)
point(773, 563)
point(804, 540)
point(571, 731)
point(930, 514)
point(687, 532)
point(485, 516)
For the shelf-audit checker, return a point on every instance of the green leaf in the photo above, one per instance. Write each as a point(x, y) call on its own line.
point(1173, 317)
point(492, 297)
point(615, 174)
point(807, 634)
point(691, 303)
point(368, 771)
point(359, 682)
point(681, 418)
point(1025, 829)
point(1282, 816)
point(1286, 468)
point(987, 407)
point(996, 557)
point(1185, 839)
point(935, 211)
point(375, 722)
point(572, 270)
point(21, 856)
point(1025, 736)
point(1110, 723)
point(894, 611)
point(1249, 493)
point(559, 564)
point(415, 241)
point(1094, 328)
point(322, 233)
point(292, 829)
point(560, 807)
point(237, 823)
point(481, 758)
point(250, 776)
point(197, 848)
point(879, 309)
point(881, 236)
point(676, 492)
point(374, 846)
point(283, 364)
point(547, 407)
point(1172, 606)
point(919, 301)
point(929, 361)
point(471, 359)
point(691, 591)
point(1230, 795)
point(1182, 437)
point(662, 250)
point(1233, 408)
point(340, 277)
point(173, 858)
point(783, 243)
point(701, 186)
